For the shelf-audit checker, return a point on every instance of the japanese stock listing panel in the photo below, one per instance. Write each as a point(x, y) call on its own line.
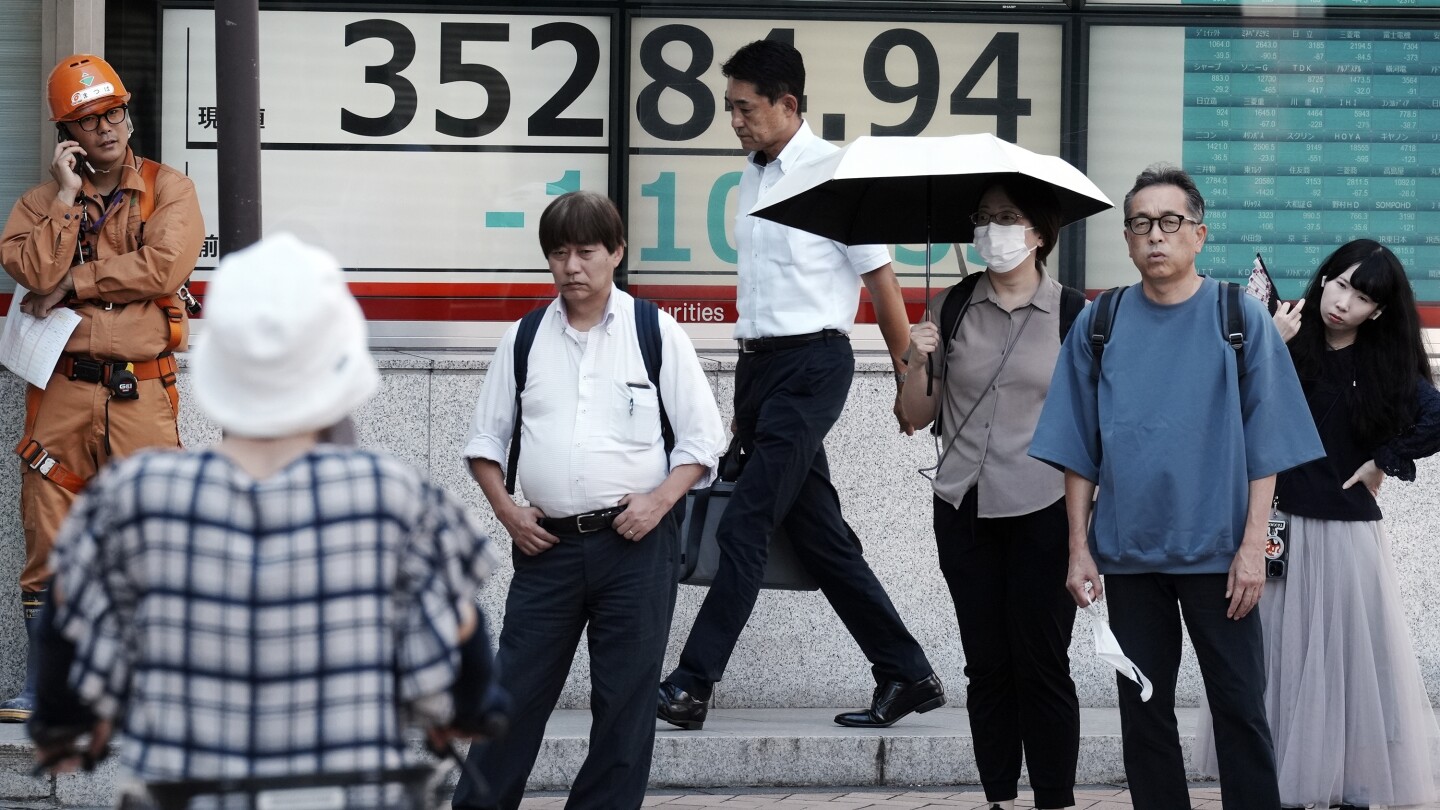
point(874, 77)
point(418, 148)
point(1300, 137)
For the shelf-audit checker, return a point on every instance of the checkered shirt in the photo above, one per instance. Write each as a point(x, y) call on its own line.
point(235, 627)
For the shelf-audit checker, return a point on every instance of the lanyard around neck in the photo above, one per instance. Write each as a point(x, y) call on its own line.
point(115, 203)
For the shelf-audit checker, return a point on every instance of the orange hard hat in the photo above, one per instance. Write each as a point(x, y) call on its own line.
point(84, 84)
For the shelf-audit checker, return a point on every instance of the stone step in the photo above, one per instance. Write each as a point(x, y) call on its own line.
point(737, 747)
point(804, 747)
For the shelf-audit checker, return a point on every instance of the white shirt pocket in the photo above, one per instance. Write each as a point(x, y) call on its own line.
point(637, 418)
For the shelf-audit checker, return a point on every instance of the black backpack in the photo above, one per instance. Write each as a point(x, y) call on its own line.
point(647, 332)
point(1232, 320)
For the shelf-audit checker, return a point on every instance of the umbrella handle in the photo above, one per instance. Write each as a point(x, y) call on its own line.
point(929, 358)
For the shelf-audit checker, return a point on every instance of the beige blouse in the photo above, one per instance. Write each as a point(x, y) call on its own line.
point(991, 451)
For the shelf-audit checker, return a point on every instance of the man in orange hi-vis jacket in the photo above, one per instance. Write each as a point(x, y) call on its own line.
point(113, 237)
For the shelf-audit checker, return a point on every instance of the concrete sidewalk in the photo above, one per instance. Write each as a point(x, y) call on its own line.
point(1088, 797)
point(742, 757)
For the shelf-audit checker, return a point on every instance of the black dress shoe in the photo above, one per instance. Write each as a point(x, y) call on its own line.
point(895, 699)
point(680, 708)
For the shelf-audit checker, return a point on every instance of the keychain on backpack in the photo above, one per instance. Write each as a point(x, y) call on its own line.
point(1277, 543)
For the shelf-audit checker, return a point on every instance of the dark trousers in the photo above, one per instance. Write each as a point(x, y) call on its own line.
point(625, 592)
point(785, 403)
point(1007, 578)
point(1145, 613)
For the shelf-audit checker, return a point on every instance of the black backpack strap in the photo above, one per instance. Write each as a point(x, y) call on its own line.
point(952, 311)
point(647, 332)
point(1232, 317)
point(1072, 303)
point(1102, 325)
point(524, 339)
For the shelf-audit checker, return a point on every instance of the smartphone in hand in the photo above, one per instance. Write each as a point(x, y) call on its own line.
point(61, 136)
point(1262, 287)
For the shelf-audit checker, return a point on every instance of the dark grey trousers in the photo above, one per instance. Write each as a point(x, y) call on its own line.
point(621, 594)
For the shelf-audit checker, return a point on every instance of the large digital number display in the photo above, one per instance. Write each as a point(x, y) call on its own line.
point(421, 147)
point(1300, 139)
point(862, 78)
point(418, 148)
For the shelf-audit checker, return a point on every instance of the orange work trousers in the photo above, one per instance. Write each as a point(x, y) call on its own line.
point(70, 423)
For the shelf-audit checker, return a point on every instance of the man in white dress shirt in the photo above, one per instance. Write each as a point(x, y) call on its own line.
point(797, 296)
point(595, 546)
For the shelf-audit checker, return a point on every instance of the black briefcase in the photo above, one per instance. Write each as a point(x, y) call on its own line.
point(700, 553)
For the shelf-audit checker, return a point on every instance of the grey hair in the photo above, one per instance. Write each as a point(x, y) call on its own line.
point(1165, 174)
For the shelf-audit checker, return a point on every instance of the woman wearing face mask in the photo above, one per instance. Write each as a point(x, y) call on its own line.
point(1000, 520)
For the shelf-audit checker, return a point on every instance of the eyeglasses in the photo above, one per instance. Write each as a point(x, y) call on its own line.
point(1170, 223)
point(114, 115)
point(1002, 218)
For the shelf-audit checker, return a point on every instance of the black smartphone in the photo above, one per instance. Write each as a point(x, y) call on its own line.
point(62, 136)
point(1261, 286)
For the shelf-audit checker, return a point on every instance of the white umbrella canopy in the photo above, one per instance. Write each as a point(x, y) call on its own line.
point(911, 189)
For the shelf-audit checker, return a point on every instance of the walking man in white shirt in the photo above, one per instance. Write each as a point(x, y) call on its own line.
point(595, 546)
point(797, 296)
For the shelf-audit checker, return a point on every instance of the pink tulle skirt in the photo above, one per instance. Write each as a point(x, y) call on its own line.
point(1348, 711)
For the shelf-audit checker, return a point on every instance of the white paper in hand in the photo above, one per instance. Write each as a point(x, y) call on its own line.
point(1108, 648)
point(31, 346)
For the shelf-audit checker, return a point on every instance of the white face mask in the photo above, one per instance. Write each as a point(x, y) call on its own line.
point(1002, 246)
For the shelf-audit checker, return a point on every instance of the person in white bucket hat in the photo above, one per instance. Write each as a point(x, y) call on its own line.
point(284, 348)
point(273, 605)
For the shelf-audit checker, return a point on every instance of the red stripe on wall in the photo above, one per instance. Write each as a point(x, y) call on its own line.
point(506, 302)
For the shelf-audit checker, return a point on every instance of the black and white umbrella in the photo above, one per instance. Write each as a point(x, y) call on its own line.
point(884, 190)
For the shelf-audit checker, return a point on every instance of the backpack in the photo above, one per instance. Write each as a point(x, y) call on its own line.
point(1232, 320)
point(647, 333)
point(1072, 302)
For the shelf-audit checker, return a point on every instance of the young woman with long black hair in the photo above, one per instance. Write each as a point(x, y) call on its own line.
point(1348, 712)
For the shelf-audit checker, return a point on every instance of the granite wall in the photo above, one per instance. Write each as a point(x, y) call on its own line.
point(794, 653)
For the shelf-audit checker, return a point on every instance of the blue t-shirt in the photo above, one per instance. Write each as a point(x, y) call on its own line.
point(1170, 436)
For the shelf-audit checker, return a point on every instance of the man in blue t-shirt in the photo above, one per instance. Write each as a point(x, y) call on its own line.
point(1183, 434)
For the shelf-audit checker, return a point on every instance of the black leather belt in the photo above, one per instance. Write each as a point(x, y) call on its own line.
point(588, 523)
point(775, 344)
